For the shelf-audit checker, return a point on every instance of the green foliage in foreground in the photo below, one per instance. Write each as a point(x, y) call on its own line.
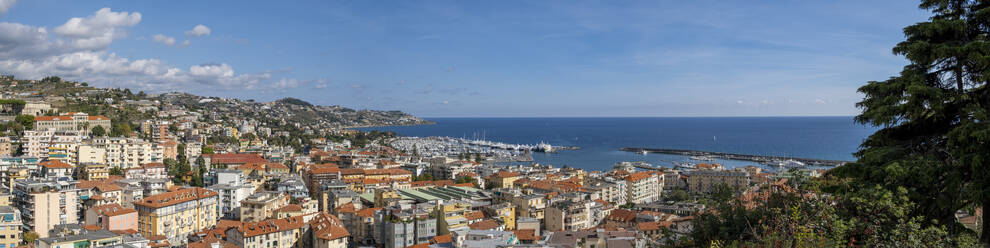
point(930, 160)
point(873, 217)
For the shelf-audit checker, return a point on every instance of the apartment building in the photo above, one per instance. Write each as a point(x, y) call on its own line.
point(93, 171)
point(643, 187)
point(704, 181)
point(52, 144)
point(609, 191)
point(120, 152)
point(113, 217)
point(231, 195)
point(176, 214)
point(54, 169)
point(10, 226)
point(147, 171)
point(262, 205)
point(569, 216)
point(399, 228)
point(277, 233)
point(73, 121)
point(328, 231)
point(6, 147)
point(46, 203)
point(504, 211)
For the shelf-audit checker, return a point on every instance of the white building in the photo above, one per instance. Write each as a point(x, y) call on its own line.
point(121, 152)
point(643, 187)
point(54, 145)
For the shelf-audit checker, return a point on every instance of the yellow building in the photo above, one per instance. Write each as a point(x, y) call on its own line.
point(454, 217)
point(10, 226)
point(263, 168)
point(505, 179)
point(384, 197)
point(177, 214)
point(504, 211)
point(262, 205)
point(94, 172)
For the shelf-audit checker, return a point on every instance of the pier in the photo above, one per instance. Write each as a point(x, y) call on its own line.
point(742, 157)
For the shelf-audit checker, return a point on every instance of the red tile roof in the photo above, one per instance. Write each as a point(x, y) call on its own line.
point(436, 183)
point(328, 227)
point(526, 234)
point(290, 208)
point(346, 208)
point(476, 215)
point(367, 212)
point(441, 239)
point(113, 210)
point(324, 170)
point(55, 164)
point(175, 197)
point(621, 215)
point(421, 245)
point(638, 176)
point(484, 225)
point(99, 185)
point(252, 229)
point(351, 172)
point(236, 158)
point(507, 174)
point(153, 165)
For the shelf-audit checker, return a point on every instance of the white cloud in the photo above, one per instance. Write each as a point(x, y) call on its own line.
point(185, 43)
point(99, 24)
point(321, 84)
point(199, 31)
point(285, 84)
point(77, 50)
point(5, 5)
point(168, 41)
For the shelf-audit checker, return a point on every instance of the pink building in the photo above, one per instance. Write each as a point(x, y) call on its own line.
point(147, 171)
point(112, 217)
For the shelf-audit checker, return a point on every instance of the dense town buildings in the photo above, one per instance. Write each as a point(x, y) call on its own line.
point(209, 177)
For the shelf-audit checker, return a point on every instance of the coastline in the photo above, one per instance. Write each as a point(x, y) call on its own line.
point(400, 125)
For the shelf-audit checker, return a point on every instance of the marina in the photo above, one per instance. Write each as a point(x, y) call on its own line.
point(497, 151)
point(774, 161)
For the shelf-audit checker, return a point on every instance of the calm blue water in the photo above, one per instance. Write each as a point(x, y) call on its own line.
point(834, 138)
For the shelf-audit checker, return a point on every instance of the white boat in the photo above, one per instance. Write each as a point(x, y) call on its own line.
point(644, 152)
point(790, 163)
point(702, 158)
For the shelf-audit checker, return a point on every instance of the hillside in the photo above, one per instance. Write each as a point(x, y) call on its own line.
point(75, 96)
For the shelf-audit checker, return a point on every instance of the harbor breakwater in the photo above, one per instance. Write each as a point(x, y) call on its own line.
point(770, 160)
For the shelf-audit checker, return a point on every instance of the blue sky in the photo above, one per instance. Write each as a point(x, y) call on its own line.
point(474, 58)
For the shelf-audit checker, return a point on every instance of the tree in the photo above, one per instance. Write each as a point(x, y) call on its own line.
point(98, 131)
point(467, 179)
point(678, 195)
point(29, 237)
point(27, 121)
point(207, 150)
point(935, 116)
point(425, 177)
point(121, 129)
point(116, 171)
point(51, 79)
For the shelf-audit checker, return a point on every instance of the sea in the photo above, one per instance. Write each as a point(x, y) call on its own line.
point(600, 139)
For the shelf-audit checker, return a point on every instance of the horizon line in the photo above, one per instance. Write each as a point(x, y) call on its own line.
point(661, 116)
